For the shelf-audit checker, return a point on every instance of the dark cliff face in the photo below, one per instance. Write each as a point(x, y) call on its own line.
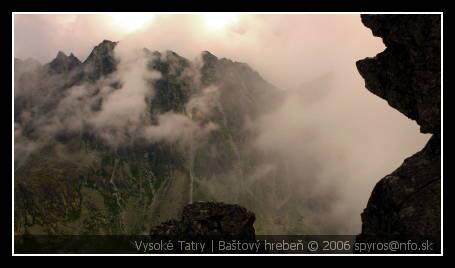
point(408, 75)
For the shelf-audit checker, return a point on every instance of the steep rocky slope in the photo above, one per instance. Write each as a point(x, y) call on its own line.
point(70, 179)
point(407, 202)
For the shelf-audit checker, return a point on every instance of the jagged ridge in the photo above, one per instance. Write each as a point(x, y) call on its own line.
point(106, 191)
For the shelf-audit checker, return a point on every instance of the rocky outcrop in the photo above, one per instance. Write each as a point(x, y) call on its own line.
point(101, 61)
point(63, 63)
point(407, 74)
point(209, 219)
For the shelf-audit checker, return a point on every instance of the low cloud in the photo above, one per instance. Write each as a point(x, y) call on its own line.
point(327, 144)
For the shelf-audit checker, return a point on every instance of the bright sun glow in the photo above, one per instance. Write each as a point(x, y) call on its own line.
point(218, 21)
point(131, 21)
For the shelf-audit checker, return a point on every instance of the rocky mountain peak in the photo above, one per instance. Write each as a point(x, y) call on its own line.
point(63, 63)
point(101, 60)
point(208, 57)
point(102, 50)
point(61, 55)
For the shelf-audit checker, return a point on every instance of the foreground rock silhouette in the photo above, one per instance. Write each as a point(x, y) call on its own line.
point(209, 219)
point(406, 203)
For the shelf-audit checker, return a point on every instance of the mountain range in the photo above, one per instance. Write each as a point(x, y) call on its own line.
point(114, 145)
